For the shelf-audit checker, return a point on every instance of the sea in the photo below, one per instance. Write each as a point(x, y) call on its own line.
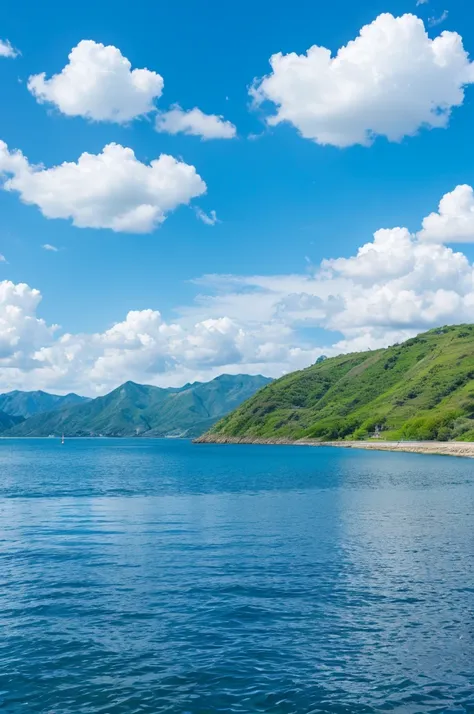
point(149, 576)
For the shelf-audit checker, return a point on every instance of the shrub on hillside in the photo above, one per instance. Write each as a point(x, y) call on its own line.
point(430, 427)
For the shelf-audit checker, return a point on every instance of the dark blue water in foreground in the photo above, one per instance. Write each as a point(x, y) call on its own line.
point(157, 576)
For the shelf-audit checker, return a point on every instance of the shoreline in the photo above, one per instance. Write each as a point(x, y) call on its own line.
point(446, 448)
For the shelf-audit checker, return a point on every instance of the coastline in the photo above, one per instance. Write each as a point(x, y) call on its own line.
point(446, 448)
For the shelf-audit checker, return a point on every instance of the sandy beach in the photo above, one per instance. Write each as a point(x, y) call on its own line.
point(446, 448)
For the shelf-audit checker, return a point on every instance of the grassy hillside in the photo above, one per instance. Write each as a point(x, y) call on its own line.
point(421, 389)
point(26, 404)
point(137, 410)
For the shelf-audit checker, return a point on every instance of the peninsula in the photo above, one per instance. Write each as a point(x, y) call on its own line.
point(414, 396)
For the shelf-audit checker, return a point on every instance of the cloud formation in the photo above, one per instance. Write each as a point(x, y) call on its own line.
point(99, 84)
point(7, 50)
point(434, 21)
point(394, 286)
point(390, 81)
point(21, 331)
point(454, 221)
point(210, 219)
point(112, 189)
point(49, 247)
point(397, 283)
point(195, 123)
point(142, 347)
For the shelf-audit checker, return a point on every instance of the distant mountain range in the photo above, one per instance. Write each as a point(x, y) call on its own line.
point(27, 404)
point(130, 410)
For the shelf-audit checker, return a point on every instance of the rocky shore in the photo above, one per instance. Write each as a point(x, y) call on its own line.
point(448, 448)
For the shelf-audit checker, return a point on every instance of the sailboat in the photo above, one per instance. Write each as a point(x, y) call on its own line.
point(62, 439)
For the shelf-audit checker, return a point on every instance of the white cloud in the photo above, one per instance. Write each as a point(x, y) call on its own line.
point(142, 347)
point(107, 190)
point(393, 287)
point(421, 2)
point(390, 81)
point(454, 221)
point(21, 331)
point(2, 259)
point(99, 84)
point(210, 219)
point(52, 248)
point(387, 256)
point(196, 123)
point(434, 21)
point(7, 50)
point(399, 283)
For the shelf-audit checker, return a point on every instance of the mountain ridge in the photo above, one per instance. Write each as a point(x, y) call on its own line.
point(27, 404)
point(133, 409)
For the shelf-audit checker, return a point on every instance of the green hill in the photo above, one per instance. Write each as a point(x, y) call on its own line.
point(26, 404)
point(421, 389)
point(140, 410)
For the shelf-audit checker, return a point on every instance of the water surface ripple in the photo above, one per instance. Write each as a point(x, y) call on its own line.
point(157, 576)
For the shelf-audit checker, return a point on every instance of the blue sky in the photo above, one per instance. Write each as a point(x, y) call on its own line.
point(284, 203)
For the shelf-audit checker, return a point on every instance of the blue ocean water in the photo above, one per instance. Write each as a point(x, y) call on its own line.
point(157, 576)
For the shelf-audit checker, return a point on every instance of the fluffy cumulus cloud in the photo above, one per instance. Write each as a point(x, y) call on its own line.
point(454, 221)
point(142, 347)
point(98, 83)
point(394, 286)
point(112, 189)
point(196, 123)
point(390, 81)
point(7, 49)
point(21, 331)
point(397, 283)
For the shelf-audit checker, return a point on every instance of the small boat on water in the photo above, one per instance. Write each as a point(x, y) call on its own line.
point(62, 439)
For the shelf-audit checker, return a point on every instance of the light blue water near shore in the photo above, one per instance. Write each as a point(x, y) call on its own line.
point(158, 576)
